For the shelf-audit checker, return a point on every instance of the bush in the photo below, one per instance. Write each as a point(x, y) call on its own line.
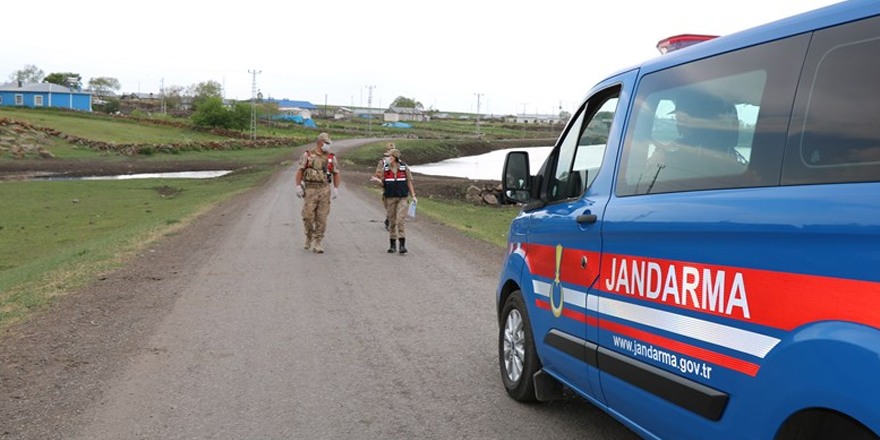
point(110, 106)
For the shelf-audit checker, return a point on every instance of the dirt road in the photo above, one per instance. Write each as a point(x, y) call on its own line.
point(231, 330)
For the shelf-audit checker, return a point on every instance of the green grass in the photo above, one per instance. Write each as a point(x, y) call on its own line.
point(57, 235)
point(106, 129)
point(487, 223)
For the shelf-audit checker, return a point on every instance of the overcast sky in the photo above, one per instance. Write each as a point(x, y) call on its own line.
point(513, 56)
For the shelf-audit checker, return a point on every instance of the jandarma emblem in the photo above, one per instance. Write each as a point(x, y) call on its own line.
point(556, 289)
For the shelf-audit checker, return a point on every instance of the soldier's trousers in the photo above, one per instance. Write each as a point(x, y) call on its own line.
point(315, 210)
point(395, 208)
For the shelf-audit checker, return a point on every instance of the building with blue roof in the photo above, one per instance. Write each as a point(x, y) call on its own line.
point(44, 95)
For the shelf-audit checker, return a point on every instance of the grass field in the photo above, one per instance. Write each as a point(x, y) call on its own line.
point(486, 223)
point(58, 235)
point(105, 129)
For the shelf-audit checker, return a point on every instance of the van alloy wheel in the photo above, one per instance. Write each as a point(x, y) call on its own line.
point(517, 356)
point(514, 346)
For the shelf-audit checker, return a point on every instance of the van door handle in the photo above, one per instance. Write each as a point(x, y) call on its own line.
point(587, 218)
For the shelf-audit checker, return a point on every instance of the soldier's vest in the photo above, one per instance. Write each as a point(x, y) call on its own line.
point(319, 168)
point(395, 184)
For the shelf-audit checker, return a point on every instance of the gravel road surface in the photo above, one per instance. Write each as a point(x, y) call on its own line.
point(230, 330)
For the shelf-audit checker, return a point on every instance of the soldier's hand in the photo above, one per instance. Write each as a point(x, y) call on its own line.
point(299, 191)
point(334, 192)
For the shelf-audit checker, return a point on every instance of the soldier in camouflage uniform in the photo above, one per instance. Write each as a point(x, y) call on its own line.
point(317, 180)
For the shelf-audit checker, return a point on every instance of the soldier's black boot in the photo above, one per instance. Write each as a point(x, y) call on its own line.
point(402, 245)
point(393, 247)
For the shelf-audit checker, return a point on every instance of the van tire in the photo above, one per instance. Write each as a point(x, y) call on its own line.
point(517, 357)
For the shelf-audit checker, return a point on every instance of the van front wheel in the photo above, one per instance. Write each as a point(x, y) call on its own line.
point(516, 350)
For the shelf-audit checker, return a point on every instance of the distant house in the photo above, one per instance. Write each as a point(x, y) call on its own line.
point(364, 113)
point(40, 95)
point(537, 119)
point(398, 114)
point(142, 96)
point(297, 108)
point(343, 113)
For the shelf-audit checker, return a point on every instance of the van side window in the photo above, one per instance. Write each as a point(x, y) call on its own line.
point(580, 154)
point(835, 134)
point(712, 124)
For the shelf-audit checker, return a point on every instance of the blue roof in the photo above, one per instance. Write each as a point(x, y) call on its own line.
point(287, 103)
point(39, 88)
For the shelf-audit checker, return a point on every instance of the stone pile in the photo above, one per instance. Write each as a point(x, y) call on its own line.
point(21, 141)
point(486, 194)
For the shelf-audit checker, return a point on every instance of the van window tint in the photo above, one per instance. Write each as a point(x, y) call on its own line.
point(576, 162)
point(712, 124)
point(836, 134)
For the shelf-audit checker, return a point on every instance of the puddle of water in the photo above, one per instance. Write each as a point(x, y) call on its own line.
point(487, 166)
point(174, 175)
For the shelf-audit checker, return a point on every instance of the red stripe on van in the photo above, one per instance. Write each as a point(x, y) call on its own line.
point(541, 260)
point(568, 313)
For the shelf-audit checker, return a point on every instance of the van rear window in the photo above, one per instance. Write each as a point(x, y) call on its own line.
point(836, 133)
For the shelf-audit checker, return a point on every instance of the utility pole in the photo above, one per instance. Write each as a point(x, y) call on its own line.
point(254, 103)
point(478, 113)
point(370, 107)
point(163, 96)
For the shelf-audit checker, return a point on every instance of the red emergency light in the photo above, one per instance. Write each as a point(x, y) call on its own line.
point(681, 41)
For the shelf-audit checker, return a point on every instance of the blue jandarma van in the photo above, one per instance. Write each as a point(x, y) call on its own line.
point(700, 253)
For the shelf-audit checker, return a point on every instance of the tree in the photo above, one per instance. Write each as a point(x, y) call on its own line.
point(28, 74)
point(104, 85)
point(174, 97)
point(66, 79)
point(400, 101)
point(212, 113)
point(241, 116)
point(204, 90)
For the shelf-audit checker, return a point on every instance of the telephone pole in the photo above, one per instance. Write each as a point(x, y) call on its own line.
point(478, 113)
point(370, 107)
point(254, 103)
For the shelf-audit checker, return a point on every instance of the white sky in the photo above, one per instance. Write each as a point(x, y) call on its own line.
point(518, 56)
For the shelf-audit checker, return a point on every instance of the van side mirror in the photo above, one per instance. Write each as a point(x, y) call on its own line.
point(516, 184)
